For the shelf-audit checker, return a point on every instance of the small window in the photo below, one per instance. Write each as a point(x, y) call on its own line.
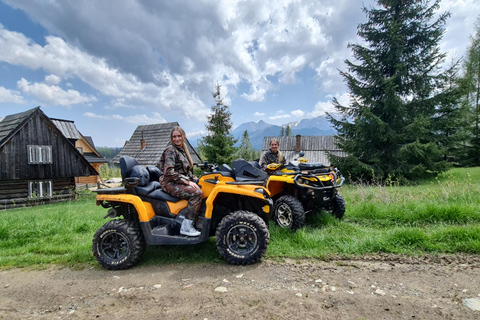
point(39, 154)
point(80, 149)
point(39, 189)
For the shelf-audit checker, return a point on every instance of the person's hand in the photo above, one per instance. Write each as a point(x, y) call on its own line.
point(193, 185)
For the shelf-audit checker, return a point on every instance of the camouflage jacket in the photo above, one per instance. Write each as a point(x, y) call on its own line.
point(270, 157)
point(175, 166)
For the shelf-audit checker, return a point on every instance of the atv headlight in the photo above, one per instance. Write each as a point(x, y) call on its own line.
point(301, 181)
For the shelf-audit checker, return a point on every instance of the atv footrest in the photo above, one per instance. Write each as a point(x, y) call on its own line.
point(162, 230)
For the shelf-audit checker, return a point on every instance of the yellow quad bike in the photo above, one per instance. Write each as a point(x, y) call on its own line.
point(236, 213)
point(299, 189)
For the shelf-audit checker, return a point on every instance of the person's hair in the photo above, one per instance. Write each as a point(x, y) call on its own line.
point(280, 155)
point(184, 146)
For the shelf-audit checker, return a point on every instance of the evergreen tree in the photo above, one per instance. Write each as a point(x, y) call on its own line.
point(471, 99)
point(388, 130)
point(288, 131)
point(282, 131)
point(218, 145)
point(452, 120)
point(246, 151)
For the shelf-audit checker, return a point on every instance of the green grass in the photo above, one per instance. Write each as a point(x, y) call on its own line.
point(439, 216)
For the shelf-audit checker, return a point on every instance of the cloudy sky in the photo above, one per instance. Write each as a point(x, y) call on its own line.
point(113, 65)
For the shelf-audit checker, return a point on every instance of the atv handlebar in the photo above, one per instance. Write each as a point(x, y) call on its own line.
point(207, 166)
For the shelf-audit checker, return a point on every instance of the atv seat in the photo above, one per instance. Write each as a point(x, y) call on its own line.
point(148, 176)
point(311, 166)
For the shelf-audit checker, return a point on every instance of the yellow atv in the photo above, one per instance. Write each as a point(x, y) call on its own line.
point(302, 188)
point(142, 214)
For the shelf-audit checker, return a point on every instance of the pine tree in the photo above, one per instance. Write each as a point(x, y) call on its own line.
point(288, 131)
point(246, 151)
point(218, 145)
point(282, 131)
point(471, 99)
point(387, 129)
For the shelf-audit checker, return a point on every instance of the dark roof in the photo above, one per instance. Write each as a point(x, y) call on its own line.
point(156, 137)
point(315, 148)
point(90, 142)
point(93, 158)
point(68, 128)
point(14, 122)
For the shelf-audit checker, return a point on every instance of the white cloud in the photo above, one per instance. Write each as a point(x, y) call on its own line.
point(54, 95)
point(298, 113)
point(138, 119)
point(10, 96)
point(322, 107)
point(279, 116)
point(259, 114)
point(53, 79)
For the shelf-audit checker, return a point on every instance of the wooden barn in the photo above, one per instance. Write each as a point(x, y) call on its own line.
point(315, 148)
point(148, 142)
point(38, 163)
point(84, 145)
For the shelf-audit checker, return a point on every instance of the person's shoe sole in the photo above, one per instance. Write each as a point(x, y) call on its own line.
point(189, 234)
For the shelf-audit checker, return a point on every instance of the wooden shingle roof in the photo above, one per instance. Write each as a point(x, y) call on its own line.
point(156, 137)
point(14, 122)
point(70, 131)
point(315, 148)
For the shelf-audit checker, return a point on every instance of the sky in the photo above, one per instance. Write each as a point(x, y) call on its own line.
point(113, 65)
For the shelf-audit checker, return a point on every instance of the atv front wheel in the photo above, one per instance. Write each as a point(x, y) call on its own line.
point(242, 237)
point(338, 206)
point(118, 244)
point(288, 212)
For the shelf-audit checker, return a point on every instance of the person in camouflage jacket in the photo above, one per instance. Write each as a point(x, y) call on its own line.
point(178, 179)
point(273, 155)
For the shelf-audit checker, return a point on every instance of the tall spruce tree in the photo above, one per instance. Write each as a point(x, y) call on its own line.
point(394, 82)
point(218, 145)
point(245, 150)
point(288, 131)
point(471, 99)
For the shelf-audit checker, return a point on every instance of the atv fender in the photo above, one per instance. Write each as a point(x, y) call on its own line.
point(144, 209)
point(243, 190)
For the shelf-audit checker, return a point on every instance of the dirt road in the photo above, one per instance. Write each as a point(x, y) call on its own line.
point(380, 287)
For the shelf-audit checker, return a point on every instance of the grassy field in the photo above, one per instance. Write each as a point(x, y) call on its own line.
point(441, 216)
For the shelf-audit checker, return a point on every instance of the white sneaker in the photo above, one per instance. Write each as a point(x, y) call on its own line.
point(187, 229)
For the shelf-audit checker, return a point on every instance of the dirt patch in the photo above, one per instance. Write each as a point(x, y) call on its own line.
point(378, 287)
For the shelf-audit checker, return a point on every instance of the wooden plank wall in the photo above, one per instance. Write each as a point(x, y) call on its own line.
point(14, 158)
point(14, 193)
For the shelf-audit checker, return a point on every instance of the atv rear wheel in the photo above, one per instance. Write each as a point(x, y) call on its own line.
point(288, 212)
point(242, 237)
point(118, 244)
point(338, 206)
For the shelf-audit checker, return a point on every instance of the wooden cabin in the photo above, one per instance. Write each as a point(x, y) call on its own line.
point(315, 148)
point(84, 145)
point(148, 143)
point(38, 164)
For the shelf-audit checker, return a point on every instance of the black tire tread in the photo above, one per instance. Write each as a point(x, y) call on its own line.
point(135, 238)
point(263, 236)
point(339, 207)
point(298, 211)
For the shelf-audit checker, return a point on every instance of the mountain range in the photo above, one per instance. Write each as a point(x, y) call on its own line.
point(318, 126)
